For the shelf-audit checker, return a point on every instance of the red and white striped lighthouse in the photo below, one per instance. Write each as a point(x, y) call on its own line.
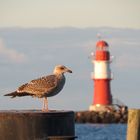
point(102, 76)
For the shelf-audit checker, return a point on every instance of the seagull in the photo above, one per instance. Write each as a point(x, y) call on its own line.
point(43, 87)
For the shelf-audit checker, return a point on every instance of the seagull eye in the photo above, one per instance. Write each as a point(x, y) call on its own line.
point(62, 68)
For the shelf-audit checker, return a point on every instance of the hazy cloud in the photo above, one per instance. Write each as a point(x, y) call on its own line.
point(133, 42)
point(11, 55)
point(128, 61)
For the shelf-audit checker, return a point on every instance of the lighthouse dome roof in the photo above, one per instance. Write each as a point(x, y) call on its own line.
point(102, 44)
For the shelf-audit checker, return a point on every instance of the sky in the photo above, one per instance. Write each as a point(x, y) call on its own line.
point(37, 35)
point(75, 13)
point(30, 53)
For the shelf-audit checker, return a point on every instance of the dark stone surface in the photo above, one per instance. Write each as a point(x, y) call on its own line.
point(35, 124)
point(115, 116)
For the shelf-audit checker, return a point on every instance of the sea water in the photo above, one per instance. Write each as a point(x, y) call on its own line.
point(101, 131)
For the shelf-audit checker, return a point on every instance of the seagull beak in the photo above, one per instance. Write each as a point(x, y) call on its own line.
point(68, 70)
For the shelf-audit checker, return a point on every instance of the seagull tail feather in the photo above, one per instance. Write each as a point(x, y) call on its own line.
point(13, 94)
point(19, 94)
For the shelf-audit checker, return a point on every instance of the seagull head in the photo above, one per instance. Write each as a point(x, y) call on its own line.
point(60, 69)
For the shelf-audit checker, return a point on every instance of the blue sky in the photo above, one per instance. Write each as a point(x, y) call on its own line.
point(26, 54)
point(34, 37)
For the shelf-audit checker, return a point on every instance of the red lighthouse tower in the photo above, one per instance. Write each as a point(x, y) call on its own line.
point(102, 76)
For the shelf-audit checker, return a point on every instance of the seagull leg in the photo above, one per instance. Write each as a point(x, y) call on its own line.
point(45, 104)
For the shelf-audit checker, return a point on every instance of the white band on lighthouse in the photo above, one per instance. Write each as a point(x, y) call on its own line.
point(102, 70)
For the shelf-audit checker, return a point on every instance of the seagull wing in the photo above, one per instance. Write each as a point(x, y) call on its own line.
point(40, 86)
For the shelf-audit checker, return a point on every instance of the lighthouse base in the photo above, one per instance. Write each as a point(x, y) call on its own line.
point(101, 108)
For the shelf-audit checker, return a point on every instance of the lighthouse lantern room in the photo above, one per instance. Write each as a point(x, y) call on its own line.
point(102, 76)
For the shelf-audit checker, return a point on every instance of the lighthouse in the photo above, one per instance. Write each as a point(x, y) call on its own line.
point(102, 76)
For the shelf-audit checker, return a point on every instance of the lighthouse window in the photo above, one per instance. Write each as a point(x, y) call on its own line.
point(99, 48)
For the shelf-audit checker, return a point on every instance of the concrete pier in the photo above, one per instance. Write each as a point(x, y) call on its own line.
point(37, 125)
